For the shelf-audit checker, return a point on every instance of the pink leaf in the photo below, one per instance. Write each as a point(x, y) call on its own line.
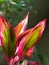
point(3, 24)
point(28, 39)
point(29, 52)
point(32, 63)
point(0, 41)
point(2, 27)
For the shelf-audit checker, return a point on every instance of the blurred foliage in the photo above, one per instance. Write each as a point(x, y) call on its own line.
point(0, 48)
point(38, 53)
point(16, 10)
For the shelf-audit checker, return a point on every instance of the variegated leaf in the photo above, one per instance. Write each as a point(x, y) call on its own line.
point(20, 28)
point(30, 37)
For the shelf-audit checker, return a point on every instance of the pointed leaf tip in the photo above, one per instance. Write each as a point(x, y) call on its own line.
point(21, 26)
point(43, 24)
point(34, 35)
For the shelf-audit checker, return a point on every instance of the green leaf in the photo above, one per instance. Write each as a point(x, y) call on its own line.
point(0, 48)
point(9, 42)
point(2, 1)
point(38, 53)
point(40, 57)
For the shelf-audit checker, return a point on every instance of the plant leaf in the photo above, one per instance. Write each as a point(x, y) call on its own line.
point(1, 1)
point(0, 48)
point(7, 38)
point(21, 26)
point(0, 45)
point(40, 57)
point(35, 35)
point(29, 52)
point(3, 24)
point(30, 37)
point(0, 42)
point(9, 42)
point(37, 52)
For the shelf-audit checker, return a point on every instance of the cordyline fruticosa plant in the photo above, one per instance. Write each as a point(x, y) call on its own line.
point(16, 42)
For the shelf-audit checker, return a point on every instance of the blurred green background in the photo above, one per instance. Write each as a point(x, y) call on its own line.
point(15, 10)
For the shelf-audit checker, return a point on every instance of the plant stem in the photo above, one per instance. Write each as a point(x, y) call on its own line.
point(13, 63)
